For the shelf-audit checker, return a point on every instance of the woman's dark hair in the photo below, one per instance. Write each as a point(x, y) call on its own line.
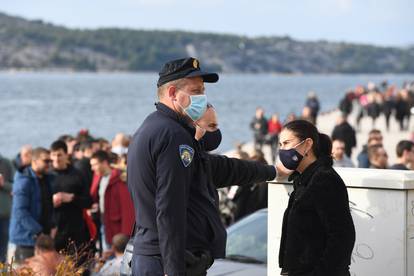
point(322, 145)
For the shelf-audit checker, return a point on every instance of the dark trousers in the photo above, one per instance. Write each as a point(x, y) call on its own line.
point(273, 140)
point(147, 266)
point(152, 265)
point(22, 253)
point(401, 121)
point(4, 238)
point(338, 273)
point(387, 120)
point(258, 144)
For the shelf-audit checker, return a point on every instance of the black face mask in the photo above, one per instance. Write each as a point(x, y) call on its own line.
point(211, 140)
point(290, 158)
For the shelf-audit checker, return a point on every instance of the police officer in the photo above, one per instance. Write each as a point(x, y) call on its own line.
point(173, 181)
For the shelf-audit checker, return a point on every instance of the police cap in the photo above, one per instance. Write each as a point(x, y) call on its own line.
point(184, 68)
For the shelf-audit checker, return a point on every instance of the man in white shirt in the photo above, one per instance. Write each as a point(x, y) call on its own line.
point(111, 199)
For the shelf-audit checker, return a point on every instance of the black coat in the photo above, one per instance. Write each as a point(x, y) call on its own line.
point(313, 104)
point(250, 198)
point(387, 107)
point(374, 110)
point(161, 163)
point(259, 133)
point(402, 109)
point(69, 216)
point(345, 106)
point(318, 233)
point(346, 133)
point(84, 167)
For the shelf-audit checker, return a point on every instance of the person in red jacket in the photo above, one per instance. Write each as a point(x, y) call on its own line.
point(274, 126)
point(111, 198)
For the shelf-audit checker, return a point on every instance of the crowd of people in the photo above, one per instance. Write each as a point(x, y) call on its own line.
point(373, 154)
point(68, 200)
point(266, 132)
point(374, 100)
point(370, 101)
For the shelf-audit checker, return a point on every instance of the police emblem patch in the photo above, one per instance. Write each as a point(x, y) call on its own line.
point(186, 154)
point(195, 63)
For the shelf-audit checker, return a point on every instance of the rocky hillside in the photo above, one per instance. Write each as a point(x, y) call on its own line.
point(36, 45)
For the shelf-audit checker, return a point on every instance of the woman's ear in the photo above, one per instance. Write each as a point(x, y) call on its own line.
point(309, 145)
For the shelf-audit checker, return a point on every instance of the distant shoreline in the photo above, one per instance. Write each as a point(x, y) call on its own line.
point(36, 45)
point(71, 71)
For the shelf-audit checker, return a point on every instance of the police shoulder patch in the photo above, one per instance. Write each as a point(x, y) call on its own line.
point(186, 154)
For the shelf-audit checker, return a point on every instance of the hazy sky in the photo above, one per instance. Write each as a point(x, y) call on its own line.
point(381, 22)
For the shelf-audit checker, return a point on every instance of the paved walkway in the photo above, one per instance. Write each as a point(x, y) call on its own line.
point(326, 123)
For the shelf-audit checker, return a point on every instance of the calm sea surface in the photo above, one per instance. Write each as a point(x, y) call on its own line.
point(35, 108)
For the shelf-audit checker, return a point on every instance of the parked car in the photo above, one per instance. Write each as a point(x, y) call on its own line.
point(246, 249)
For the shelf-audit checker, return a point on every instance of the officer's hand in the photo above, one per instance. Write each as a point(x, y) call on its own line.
point(282, 172)
point(1, 180)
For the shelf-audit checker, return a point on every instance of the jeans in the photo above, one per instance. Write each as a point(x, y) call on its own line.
point(4, 238)
point(105, 245)
point(22, 253)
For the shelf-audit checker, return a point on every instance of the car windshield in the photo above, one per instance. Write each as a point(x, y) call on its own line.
point(247, 239)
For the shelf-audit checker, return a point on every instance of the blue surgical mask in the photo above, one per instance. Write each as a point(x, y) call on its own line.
point(197, 107)
point(290, 158)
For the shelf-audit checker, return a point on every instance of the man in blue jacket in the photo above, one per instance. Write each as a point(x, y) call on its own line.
point(32, 205)
point(173, 183)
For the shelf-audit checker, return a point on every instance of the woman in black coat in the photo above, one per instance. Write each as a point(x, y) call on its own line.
point(318, 233)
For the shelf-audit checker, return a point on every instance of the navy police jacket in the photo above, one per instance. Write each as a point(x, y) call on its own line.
point(173, 184)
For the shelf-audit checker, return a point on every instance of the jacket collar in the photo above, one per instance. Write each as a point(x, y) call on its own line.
point(166, 111)
point(303, 178)
point(29, 172)
point(114, 177)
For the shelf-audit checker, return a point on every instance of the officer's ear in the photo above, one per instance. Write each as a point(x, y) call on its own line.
point(172, 92)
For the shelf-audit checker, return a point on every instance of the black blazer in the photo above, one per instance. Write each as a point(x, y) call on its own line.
point(318, 233)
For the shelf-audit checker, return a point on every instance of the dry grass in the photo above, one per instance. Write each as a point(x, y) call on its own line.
point(71, 265)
